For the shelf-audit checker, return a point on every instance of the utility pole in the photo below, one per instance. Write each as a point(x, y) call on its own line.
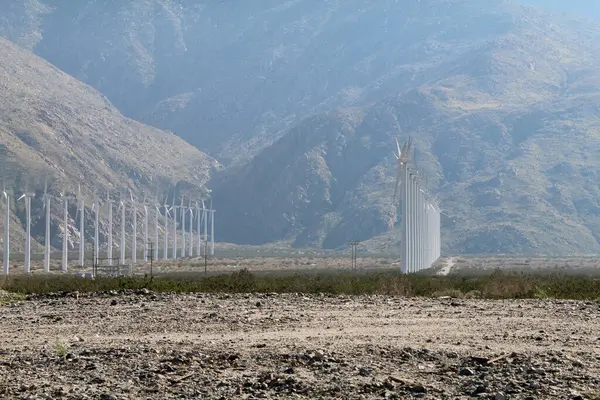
point(354, 244)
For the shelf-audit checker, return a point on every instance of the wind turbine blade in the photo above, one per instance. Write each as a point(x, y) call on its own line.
point(20, 198)
point(398, 148)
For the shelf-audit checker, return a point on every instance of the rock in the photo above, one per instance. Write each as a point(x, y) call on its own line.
point(499, 396)
point(480, 360)
point(364, 371)
point(319, 354)
point(417, 389)
point(113, 302)
point(466, 372)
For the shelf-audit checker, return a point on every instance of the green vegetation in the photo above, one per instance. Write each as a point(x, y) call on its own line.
point(496, 285)
point(61, 349)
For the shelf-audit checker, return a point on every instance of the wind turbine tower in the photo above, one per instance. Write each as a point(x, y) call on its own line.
point(166, 236)
point(156, 215)
point(109, 248)
point(27, 197)
point(6, 254)
point(205, 218)
point(199, 230)
point(175, 207)
point(65, 244)
point(212, 229)
point(96, 210)
point(183, 238)
point(145, 230)
point(191, 231)
point(122, 209)
point(46, 199)
point(134, 238)
point(81, 212)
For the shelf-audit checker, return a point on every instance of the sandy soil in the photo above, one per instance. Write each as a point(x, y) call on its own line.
point(165, 346)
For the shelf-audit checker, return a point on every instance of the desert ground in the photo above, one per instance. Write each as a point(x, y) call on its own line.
point(145, 345)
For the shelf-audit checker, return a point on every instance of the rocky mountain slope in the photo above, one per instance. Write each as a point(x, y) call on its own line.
point(509, 135)
point(231, 77)
point(302, 99)
point(56, 128)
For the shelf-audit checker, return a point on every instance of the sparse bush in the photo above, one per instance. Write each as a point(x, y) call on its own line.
point(497, 285)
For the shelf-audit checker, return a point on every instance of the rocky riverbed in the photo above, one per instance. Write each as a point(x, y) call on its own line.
point(169, 346)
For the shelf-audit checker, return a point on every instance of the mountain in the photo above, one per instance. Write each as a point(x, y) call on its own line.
point(55, 128)
point(587, 8)
point(229, 77)
point(301, 101)
point(508, 132)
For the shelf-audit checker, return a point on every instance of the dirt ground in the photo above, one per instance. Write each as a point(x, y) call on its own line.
point(164, 346)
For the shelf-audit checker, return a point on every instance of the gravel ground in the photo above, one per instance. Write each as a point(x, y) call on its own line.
point(166, 346)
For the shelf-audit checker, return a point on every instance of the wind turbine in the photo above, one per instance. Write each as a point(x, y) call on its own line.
point(191, 211)
point(134, 238)
point(6, 229)
point(27, 197)
point(174, 208)
point(402, 177)
point(46, 199)
point(145, 230)
point(166, 236)
point(96, 210)
point(122, 209)
point(183, 238)
point(65, 247)
point(109, 248)
point(156, 214)
point(199, 230)
point(81, 213)
point(205, 218)
point(212, 229)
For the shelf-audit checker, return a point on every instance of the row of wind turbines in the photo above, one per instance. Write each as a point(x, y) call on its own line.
point(420, 244)
point(190, 241)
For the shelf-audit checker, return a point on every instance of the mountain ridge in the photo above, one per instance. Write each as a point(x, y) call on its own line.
point(302, 101)
point(55, 128)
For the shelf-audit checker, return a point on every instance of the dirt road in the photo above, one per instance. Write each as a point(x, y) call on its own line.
point(164, 346)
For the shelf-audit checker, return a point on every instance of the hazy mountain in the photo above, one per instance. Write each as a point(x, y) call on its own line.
point(587, 8)
point(507, 131)
point(501, 98)
point(54, 128)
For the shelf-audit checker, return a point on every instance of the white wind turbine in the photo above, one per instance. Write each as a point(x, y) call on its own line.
point(46, 199)
point(145, 230)
point(6, 254)
point(205, 218)
point(65, 244)
point(109, 248)
point(166, 236)
point(183, 233)
point(27, 196)
point(156, 215)
point(96, 210)
point(212, 229)
point(122, 209)
point(191, 231)
point(174, 208)
point(81, 213)
point(198, 230)
point(134, 236)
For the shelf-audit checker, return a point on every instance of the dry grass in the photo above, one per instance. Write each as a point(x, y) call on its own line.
point(495, 285)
